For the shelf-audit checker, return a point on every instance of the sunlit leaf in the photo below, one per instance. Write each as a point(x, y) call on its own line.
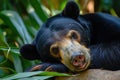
point(32, 12)
point(38, 9)
point(37, 78)
point(40, 73)
point(22, 75)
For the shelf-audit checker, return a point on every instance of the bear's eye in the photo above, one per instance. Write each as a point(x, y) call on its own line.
point(54, 50)
point(74, 35)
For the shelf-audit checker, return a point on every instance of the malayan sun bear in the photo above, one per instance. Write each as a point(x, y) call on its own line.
point(72, 42)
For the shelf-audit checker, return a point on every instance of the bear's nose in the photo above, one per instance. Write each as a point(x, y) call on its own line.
point(78, 60)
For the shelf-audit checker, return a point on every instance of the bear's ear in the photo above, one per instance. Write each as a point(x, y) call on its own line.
point(28, 51)
point(71, 10)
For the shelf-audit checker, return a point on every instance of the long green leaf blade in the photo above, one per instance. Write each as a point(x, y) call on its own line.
point(17, 62)
point(38, 9)
point(13, 20)
point(40, 73)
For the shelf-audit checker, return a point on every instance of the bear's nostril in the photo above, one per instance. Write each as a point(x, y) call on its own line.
point(75, 60)
point(81, 57)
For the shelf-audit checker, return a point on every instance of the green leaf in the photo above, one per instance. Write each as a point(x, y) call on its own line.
point(14, 21)
point(17, 62)
point(53, 74)
point(38, 9)
point(23, 75)
point(40, 73)
point(3, 40)
point(14, 57)
point(37, 78)
point(2, 58)
point(107, 4)
point(12, 49)
point(7, 69)
point(4, 71)
point(33, 14)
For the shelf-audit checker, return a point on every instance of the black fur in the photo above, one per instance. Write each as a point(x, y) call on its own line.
point(106, 56)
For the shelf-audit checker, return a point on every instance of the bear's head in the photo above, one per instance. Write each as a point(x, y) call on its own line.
point(62, 39)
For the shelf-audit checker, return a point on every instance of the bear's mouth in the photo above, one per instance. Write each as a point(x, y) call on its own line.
point(78, 66)
point(82, 66)
point(79, 63)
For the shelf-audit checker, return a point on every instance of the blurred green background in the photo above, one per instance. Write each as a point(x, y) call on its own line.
point(21, 19)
